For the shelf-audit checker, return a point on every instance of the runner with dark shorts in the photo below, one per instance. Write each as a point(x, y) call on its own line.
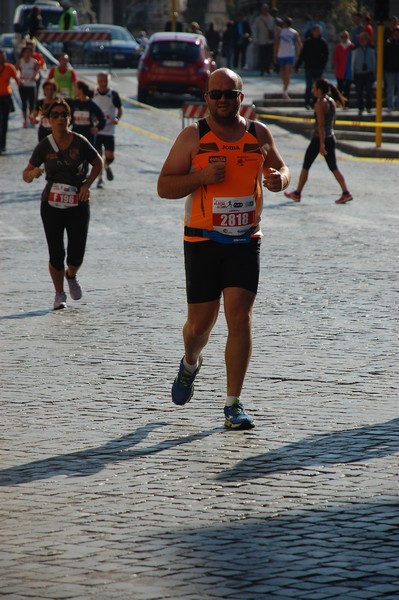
point(65, 199)
point(218, 163)
point(323, 139)
point(110, 103)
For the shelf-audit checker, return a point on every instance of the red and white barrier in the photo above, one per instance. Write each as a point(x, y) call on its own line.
point(73, 36)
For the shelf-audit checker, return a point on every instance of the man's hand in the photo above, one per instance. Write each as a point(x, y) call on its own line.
point(273, 180)
point(213, 173)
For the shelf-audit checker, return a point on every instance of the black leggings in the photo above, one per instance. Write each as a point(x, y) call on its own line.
point(75, 221)
point(27, 98)
point(314, 149)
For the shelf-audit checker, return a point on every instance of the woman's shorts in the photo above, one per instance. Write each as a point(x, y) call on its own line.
point(286, 60)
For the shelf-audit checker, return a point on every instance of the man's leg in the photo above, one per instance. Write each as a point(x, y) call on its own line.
point(201, 317)
point(200, 321)
point(238, 305)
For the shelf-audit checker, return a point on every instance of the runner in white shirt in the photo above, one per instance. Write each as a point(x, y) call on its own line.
point(287, 45)
point(28, 70)
point(110, 103)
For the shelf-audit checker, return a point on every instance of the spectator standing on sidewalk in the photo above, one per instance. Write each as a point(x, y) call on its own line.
point(342, 63)
point(65, 198)
point(110, 103)
point(363, 70)
point(241, 40)
point(357, 27)
point(314, 54)
point(368, 28)
point(263, 37)
point(310, 23)
point(228, 43)
point(213, 39)
point(393, 22)
point(287, 45)
point(323, 139)
point(218, 164)
point(7, 72)
point(391, 70)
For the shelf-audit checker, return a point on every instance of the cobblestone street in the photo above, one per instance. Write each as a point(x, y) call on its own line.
point(110, 491)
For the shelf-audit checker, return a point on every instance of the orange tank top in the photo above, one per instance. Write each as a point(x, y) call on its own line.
point(235, 205)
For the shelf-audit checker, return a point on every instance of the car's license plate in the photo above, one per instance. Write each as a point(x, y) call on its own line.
point(119, 56)
point(173, 63)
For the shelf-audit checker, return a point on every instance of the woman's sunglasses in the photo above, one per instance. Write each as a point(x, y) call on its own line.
point(55, 114)
point(228, 94)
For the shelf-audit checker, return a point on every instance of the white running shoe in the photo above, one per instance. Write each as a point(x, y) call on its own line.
point(59, 301)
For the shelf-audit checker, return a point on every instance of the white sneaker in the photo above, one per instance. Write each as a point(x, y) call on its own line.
point(75, 291)
point(59, 301)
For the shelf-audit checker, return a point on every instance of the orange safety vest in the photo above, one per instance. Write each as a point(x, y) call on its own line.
point(234, 206)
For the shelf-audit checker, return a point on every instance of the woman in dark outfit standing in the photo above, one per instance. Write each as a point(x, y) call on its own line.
point(65, 198)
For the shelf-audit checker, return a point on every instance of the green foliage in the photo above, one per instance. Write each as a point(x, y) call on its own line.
point(341, 15)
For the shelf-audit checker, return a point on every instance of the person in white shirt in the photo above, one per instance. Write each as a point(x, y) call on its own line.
point(287, 45)
point(28, 69)
point(110, 103)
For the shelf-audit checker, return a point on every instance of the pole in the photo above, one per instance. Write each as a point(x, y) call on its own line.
point(379, 83)
point(173, 15)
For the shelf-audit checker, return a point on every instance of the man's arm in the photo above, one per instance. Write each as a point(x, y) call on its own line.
point(276, 174)
point(176, 179)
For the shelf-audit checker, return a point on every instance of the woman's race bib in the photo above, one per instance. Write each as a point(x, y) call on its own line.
point(81, 117)
point(63, 196)
point(233, 216)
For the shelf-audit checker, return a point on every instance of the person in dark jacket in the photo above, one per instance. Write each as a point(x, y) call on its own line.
point(363, 71)
point(391, 70)
point(314, 55)
point(35, 22)
point(242, 37)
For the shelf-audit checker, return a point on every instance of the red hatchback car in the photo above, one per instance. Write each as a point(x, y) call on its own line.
point(174, 63)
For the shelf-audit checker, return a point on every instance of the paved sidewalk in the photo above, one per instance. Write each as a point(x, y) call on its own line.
point(108, 490)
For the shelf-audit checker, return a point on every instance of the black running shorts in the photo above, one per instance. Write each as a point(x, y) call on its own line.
point(211, 267)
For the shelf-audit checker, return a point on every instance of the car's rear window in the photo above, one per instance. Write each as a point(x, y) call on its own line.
point(175, 51)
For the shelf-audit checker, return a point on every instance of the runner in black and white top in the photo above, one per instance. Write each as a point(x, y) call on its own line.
point(87, 117)
point(65, 199)
point(110, 103)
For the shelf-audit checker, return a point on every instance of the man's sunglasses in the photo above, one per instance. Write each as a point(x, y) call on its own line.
point(55, 114)
point(228, 94)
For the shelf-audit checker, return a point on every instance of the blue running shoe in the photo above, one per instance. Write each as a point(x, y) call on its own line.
point(236, 417)
point(183, 385)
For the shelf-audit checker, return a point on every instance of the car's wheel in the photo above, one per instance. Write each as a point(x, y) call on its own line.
point(142, 95)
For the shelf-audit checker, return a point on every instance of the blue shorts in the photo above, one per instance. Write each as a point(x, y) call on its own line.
point(286, 60)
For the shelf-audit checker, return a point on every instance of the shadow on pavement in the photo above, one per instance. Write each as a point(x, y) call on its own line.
point(18, 197)
point(92, 460)
point(348, 446)
point(343, 551)
point(31, 313)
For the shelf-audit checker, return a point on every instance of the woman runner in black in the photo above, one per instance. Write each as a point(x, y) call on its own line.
point(65, 198)
point(323, 139)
